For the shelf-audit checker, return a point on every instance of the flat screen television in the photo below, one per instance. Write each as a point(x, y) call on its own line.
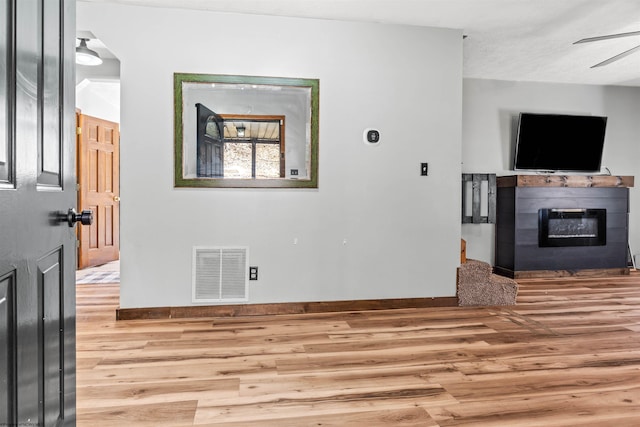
point(559, 143)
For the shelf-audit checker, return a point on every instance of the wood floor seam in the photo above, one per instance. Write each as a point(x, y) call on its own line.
point(528, 323)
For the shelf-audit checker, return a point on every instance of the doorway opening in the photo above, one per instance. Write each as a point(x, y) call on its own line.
point(98, 163)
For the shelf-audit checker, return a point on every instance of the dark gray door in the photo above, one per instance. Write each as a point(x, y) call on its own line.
point(37, 188)
point(210, 143)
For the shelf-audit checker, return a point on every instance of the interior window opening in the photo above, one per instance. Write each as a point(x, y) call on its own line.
point(253, 147)
point(240, 146)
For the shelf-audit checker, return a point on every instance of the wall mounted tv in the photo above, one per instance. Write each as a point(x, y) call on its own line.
point(559, 143)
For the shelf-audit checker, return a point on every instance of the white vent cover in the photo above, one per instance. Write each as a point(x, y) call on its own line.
point(220, 274)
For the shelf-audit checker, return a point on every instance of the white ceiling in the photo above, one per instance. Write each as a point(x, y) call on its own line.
point(528, 40)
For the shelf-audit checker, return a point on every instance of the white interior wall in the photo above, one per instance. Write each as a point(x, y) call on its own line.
point(99, 98)
point(98, 90)
point(109, 70)
point(487, 137)
point(373, 229)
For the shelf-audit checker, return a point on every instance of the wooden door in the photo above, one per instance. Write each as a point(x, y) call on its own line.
point(99, 189)
point(37, 189)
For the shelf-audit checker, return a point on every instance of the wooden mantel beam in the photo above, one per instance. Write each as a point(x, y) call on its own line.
point(581, 181)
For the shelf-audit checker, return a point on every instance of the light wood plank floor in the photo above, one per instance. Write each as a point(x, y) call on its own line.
point(567, 355)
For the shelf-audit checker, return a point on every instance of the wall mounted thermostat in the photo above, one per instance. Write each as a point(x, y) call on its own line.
point(371, 136)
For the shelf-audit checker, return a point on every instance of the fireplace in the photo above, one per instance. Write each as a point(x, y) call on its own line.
point(562, 225)
point(572, 227)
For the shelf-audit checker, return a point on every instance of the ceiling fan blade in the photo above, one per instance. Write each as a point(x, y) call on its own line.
point(610, 36)
point(617, 57)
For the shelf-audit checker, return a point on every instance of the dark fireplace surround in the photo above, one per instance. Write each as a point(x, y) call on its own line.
point(561, 225)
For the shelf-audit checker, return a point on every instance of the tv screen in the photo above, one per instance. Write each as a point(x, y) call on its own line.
point(557, 142)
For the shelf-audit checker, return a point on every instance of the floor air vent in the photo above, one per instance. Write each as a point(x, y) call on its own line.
point(220, 274)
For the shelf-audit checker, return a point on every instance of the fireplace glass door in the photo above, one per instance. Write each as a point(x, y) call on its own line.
point(572, 227)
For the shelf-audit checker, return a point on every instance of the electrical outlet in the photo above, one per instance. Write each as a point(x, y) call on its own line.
point(294, 172)
point(253, 273)
point(424, 169)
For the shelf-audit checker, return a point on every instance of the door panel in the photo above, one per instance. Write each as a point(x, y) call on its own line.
point(37, 248)
point(5, 77)
point(51, 309)
point(49, 166)
point(99, 182)
point(108, 232)
point(7, 349)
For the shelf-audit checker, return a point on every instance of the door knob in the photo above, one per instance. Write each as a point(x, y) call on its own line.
point(85, 217)
point(116, 198)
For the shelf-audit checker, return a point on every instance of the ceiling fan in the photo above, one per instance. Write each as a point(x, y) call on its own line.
point(612, 36)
